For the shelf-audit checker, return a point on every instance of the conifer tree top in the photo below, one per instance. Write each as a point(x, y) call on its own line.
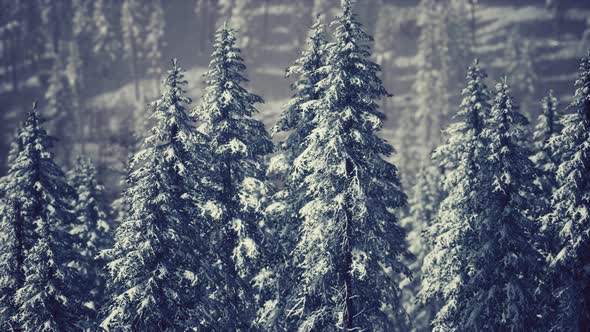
point(227, 107)
point(170, 108)
point(349, 53)
point(306, 68)
point(225, 76)
point(505, 131)
point(476, 97)
point(352, 86)
point(474, 109)
point(34, 165)
point(582, 94)
point(39, 189)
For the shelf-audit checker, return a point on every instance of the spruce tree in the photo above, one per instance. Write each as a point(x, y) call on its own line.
point(159, 265)
point(297, 121)
point(91, 231)
point(504, 282)
point(238, 144)
point(546, 162)
point(484, 255)
point(570, 214)
point(349, 235)
point(462, 157)
point(38, 248)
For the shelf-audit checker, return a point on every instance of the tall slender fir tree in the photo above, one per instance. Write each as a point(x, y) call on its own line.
point(238, 144)
point(159, 265)
point(546, 162)
point(485, 259)
point(503, 283)
point(350, 241)
point(297, 121)
point(37, 250)
point(462, 157)
point(570, 214)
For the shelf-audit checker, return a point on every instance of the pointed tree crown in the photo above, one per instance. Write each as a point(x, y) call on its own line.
point(299, 112)
point(464, 135)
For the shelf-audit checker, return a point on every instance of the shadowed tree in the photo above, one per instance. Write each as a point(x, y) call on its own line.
point(570, 205)
point(160, 265)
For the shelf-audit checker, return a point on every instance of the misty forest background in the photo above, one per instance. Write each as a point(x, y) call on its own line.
point(95, 67)
point(118, 57)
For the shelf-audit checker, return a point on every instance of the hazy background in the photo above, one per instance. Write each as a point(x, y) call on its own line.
point(93, 66)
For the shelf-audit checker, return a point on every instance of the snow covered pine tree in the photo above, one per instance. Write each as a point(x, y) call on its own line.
point(159, 267)
point(350, 241)
point(238, 142)
point(36, 245)
point(504, 282)
point(91, 231)
point(571, 209)
point(546, 161)
point(484, 255)
point(297, 121)
point(462, 157)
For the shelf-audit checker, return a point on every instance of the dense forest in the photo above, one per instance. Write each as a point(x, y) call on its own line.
point(418, 165)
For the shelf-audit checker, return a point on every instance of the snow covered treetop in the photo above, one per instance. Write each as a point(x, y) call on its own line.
point(582, 96)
